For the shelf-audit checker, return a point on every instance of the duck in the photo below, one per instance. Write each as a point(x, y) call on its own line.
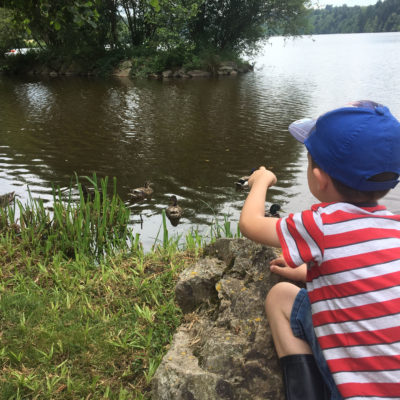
point(273, 211)
point(141, 193)
point(89, 192)
point(242, 183)
point(6, 199)
point(173, 211)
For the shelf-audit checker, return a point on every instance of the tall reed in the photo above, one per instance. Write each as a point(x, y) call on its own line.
point(92, 226)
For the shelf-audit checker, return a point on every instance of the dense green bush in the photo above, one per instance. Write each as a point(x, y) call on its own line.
point(10, 36)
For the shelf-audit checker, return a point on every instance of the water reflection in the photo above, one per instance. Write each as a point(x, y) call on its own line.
point(192, 139)
point(36, 99)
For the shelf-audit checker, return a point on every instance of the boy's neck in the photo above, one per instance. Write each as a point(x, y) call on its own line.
point(361, 204)
point(331, 195)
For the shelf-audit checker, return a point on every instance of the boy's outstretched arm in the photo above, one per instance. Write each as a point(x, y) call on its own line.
point(253, 223)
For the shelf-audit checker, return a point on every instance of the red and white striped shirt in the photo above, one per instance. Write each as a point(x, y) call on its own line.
point(353, 282)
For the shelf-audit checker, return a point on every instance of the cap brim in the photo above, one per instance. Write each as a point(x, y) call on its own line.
point(302, 128)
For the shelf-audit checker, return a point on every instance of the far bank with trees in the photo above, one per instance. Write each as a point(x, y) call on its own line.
point(384, 16)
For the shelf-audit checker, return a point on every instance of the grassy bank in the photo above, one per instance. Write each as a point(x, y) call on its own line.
point(85, 313)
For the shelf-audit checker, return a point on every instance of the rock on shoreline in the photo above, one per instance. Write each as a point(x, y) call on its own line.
point(224, 350)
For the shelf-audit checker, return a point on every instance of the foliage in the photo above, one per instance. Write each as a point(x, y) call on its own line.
point(172, 33)
point(10, 35)
point(19, 63)
point(70, 25)
point(170, 24)
point(92, 227)
point(384, 16)
point(159, 24)
point(105, 63)
point(239, 24)
point(156, 61)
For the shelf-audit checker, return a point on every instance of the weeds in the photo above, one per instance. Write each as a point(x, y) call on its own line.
point(95, 226)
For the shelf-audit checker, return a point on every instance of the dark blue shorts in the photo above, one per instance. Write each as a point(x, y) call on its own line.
point(302, 327)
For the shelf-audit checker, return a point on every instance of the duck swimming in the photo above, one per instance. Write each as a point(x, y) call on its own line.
point(6, 199)
point(89, 192)
point(273, 211)
point(173, 211)
point(242, 183)
point(141, 193)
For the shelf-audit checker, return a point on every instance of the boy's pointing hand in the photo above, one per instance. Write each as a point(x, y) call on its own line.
point(262, 175)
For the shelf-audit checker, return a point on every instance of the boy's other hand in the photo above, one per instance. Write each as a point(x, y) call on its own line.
point(280, 267)
point(262, 174)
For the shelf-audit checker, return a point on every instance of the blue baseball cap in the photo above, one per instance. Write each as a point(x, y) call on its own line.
point(354, 143)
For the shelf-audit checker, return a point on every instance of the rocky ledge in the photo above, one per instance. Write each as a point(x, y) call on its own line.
point(124, 69)
point(224, 68)
point(224, 349)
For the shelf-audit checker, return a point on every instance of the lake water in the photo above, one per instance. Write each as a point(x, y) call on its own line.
point(191, 138)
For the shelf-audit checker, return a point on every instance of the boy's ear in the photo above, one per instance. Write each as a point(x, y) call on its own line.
point(322, 178)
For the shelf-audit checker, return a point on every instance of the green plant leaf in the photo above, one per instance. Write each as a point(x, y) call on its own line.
point(156, 5)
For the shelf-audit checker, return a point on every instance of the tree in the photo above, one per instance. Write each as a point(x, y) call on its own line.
point(170, 23)
point(135, 16)
point(239, 24)
point(67, 24)
point(392, 23)
point(383, 16)
point(10, 36)
point(172, 30)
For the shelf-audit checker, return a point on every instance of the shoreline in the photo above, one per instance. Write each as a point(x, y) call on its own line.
point(30, 64)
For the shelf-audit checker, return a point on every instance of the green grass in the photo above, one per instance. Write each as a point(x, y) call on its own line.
point(72, 328)
point(84, 312)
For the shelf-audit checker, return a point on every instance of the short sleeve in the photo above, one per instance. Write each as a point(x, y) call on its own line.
point(301, 238)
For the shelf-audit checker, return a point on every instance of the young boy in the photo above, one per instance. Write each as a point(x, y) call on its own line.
point(346, 326)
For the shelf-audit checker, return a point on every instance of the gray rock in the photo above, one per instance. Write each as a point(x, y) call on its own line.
point(44, 70)
point(197, 73)
point(224, 350)
point(181, 362)
point(71, 69)
point(182, 74)
point(246, 67)
point(230, 64)
point(123, 69)
point(167, 74)
point(225, 70)
point(154, 76)
point(196, 284)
